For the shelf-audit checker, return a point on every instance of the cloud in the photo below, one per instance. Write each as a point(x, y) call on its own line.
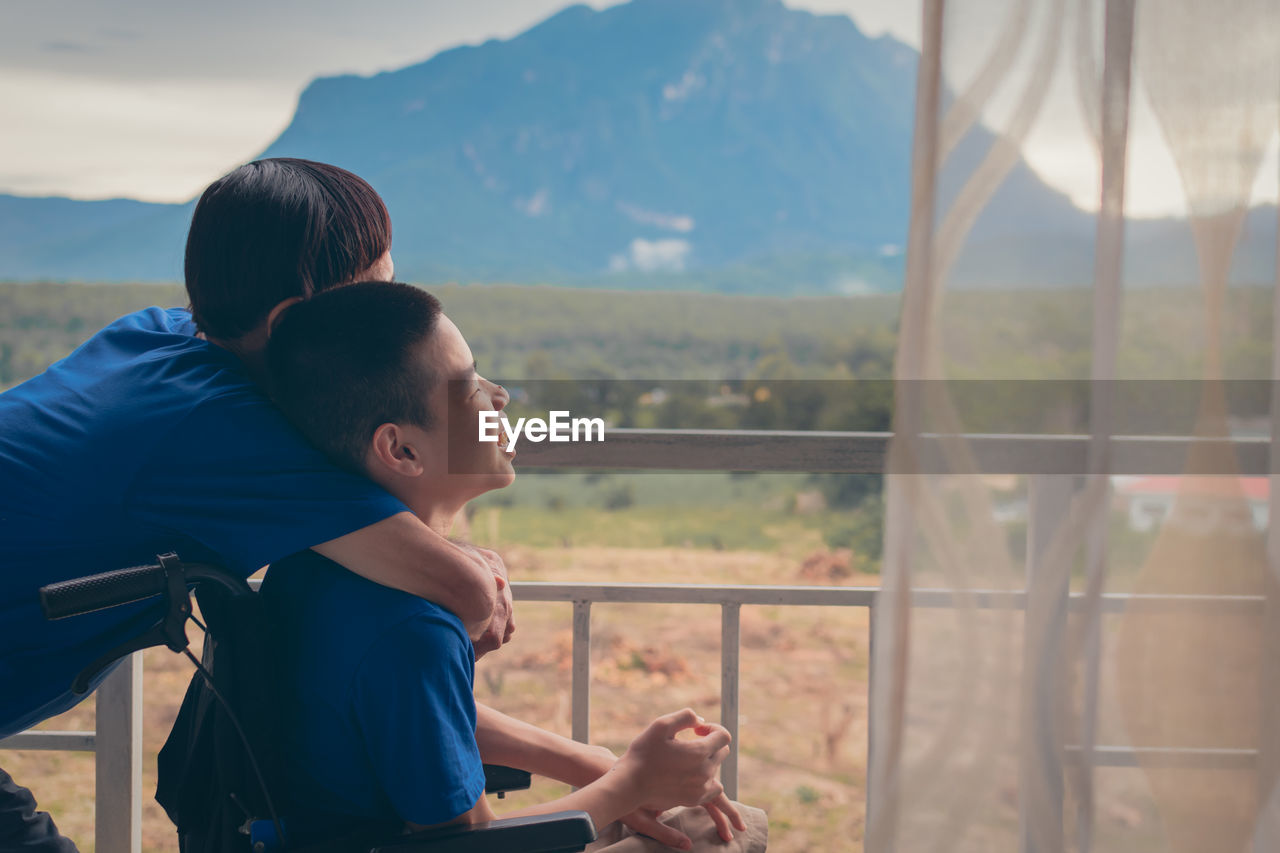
point(175, 140)
point(538, 204)
point(60, 46)
point(670, 221)
point(688, 84)
point(652, 256)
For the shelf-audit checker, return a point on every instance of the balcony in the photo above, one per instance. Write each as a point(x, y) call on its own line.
point(1048, 460)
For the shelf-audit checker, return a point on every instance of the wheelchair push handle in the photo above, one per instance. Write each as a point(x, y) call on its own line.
point(98, 592)
point(168, 577)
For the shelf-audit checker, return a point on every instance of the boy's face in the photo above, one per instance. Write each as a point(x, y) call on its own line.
point(457, 466)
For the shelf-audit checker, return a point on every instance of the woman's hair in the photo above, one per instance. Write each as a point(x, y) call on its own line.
point(276, 229)
point(344, 363)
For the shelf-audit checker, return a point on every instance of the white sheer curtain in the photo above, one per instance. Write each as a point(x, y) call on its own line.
point(1128, 700)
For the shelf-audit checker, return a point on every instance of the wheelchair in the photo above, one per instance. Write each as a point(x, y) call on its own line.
point(219, 769)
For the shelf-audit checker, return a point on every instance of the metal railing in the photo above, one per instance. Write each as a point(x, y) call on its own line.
point(117, 740)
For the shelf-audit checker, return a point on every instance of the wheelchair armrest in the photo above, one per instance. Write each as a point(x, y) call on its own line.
point(499, 779)
point(560, 832)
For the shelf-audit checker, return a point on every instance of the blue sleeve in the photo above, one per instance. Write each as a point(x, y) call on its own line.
point(235, 476)
point(414, 705)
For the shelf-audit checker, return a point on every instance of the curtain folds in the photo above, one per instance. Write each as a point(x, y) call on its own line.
point(1076, 644)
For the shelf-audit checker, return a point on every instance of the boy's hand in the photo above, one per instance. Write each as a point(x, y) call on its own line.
point(649, 823)
point(670, 772)
point(723, 814)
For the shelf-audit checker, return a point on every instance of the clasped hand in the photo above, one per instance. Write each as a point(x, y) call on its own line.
point(671, 771)
point(502, 625)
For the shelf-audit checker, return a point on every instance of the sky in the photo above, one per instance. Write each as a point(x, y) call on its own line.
point(152, 99)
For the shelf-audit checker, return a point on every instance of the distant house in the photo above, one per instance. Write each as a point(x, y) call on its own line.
point(1008, 500)
point(1201, 503)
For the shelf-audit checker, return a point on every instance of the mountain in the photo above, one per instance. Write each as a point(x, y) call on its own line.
point(732, 145)
point(116, 239)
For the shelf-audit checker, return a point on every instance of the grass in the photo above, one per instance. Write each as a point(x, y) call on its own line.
point(719, 529)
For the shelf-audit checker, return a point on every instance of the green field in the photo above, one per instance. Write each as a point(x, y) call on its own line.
point(520, 332)
point(525, 332)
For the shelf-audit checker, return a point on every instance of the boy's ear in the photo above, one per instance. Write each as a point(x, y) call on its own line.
point(274, 315)
point(391, 451)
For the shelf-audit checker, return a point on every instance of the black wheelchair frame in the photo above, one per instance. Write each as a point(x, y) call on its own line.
point(174, 581)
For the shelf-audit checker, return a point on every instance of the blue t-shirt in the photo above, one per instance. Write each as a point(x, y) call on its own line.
point(377, 687)
point(146, 439)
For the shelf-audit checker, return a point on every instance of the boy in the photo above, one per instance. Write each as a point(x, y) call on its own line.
point(377, 684)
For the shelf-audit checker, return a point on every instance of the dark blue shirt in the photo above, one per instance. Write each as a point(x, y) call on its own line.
point(146, 439)
point(376, 686)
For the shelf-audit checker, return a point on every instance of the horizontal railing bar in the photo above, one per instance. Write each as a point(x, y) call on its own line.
point(51, 740)
point(1159, 756)
point(648, 593)
point(867, 452)
point(715, 450)
point(1116, 602)
point(851, 596)
point(995, 599)
point(1103, 756)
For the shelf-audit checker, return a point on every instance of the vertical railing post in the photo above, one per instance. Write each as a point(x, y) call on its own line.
point(1090, 630)
point(1267, 826)
point(118, 762)
point(582, 671)
point(1267, 832)
point(1041, 782)
point(730, 636)
point(871, 695)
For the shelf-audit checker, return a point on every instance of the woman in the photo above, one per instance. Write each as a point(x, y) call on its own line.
point(154, 436)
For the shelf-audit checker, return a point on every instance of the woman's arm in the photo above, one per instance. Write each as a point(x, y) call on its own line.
point(402, 552)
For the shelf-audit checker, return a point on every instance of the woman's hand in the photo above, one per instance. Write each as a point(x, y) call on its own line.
point(502, 624)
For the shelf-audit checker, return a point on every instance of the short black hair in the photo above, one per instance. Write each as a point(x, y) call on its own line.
point(345, 362)
point(274, 229)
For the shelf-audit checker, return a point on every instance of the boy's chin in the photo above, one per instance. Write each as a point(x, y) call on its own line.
point(498, 479)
